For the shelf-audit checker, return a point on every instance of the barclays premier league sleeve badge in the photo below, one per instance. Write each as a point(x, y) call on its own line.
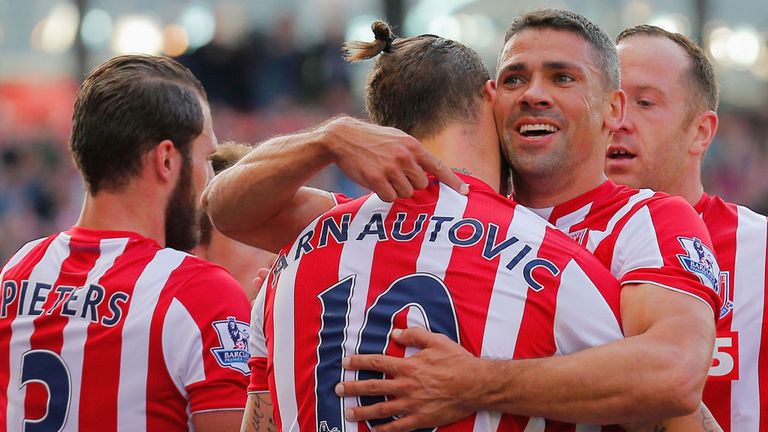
point(700, 261)
point(233, 338)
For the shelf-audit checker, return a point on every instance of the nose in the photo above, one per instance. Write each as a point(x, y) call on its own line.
point(536, 95)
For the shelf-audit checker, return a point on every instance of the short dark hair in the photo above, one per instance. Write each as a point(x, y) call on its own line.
point(124, 108)
point(419, 84)
point(559, 19)
point(701, 74)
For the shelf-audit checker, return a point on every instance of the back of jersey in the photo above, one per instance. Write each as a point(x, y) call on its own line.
point(475, 268)
point(84, 326)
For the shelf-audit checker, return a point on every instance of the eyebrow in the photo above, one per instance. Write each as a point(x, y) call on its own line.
point(552, 65)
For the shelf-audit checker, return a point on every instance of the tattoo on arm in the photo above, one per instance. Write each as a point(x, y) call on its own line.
point(262, 403)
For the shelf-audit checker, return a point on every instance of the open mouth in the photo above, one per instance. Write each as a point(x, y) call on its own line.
point(537, 130)
point(620, 154)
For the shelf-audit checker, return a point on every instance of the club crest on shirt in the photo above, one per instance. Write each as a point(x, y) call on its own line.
point(579, 236)
point(725, 292)
point(233, 337)
point(700, 261)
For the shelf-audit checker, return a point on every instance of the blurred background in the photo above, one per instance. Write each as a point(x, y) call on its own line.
point(275, 66)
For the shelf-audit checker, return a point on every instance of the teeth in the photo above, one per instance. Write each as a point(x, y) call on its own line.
point(619, 153)
point(538, 127)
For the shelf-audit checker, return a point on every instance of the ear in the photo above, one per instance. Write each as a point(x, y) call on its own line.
point(165, 160)
point(616, 110)
point(705, 125)
point(489, 91)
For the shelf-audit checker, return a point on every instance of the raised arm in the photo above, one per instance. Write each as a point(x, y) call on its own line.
point(261, 200)
point(656, 372)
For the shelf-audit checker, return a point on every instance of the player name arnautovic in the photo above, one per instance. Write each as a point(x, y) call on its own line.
point(462, 232)
point(82, 302)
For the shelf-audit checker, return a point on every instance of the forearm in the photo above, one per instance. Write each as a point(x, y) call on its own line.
point(259, 416)
point(619, 382)
point(247, 201)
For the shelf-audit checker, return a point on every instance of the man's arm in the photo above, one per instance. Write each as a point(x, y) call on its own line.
point(658, 371)
point(259, 416)
point(260, 201)
point(217, 421)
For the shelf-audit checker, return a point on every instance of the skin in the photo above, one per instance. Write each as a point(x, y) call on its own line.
point(667, 129)
point(548, 76)
point(140, 207)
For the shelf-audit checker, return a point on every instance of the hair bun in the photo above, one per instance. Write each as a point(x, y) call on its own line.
point(382, 32)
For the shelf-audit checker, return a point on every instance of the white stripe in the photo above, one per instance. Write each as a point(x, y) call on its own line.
point(535, 424)
point(134, 355)
point(636, 245)
point(583, 318)
point(22, 328)
point(748, 303)
point(20, 255)
point(357, 259)
point(435, 256)
point(257, 343)
point(596, 237)
point(566, 222)
point(182, 347)
point(76, 330)
point(283, 338)
point(507, 302)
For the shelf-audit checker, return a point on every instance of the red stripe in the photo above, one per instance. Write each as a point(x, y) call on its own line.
point(722, 222)
point(170, 413)
point(470, 277)
point(103, 347)
point(762, 377)
point(20, 272)
point(316, 273)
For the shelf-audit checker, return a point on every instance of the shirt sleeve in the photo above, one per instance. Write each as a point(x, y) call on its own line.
point(258, 345)
point(206, 339)
point(666, 243)
point(341, 198)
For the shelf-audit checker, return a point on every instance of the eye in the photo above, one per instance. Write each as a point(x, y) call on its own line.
point(563, 78)
point(513, 80)
point(645, 103)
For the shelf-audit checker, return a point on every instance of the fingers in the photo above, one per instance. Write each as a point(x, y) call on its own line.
point(372, 362)
point(440, 170)
point(403, 424)
point(370, 387)
point(417, 337)
point(261, 275)
point(381, 410)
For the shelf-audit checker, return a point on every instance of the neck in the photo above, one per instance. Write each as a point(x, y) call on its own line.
point(125, 211)
point(472, 150)
point(688, 186)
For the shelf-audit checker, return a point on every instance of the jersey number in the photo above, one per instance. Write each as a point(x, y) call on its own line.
point(725, 358)
point(48, 368)
point(423, 291)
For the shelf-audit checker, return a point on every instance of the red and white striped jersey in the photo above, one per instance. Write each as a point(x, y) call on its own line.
point(479, 269)
point(105, 330)
point(737, 389)
point(643, 236)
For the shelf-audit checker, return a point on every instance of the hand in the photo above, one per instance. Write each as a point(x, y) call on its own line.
point(385, 160)
point(431, 388)
point(261, 275)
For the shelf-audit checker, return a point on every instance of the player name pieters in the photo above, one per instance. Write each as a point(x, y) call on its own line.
point(32, 298)
point(463, 232)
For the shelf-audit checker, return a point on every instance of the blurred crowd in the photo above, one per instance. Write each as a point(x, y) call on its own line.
point(260, 87)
